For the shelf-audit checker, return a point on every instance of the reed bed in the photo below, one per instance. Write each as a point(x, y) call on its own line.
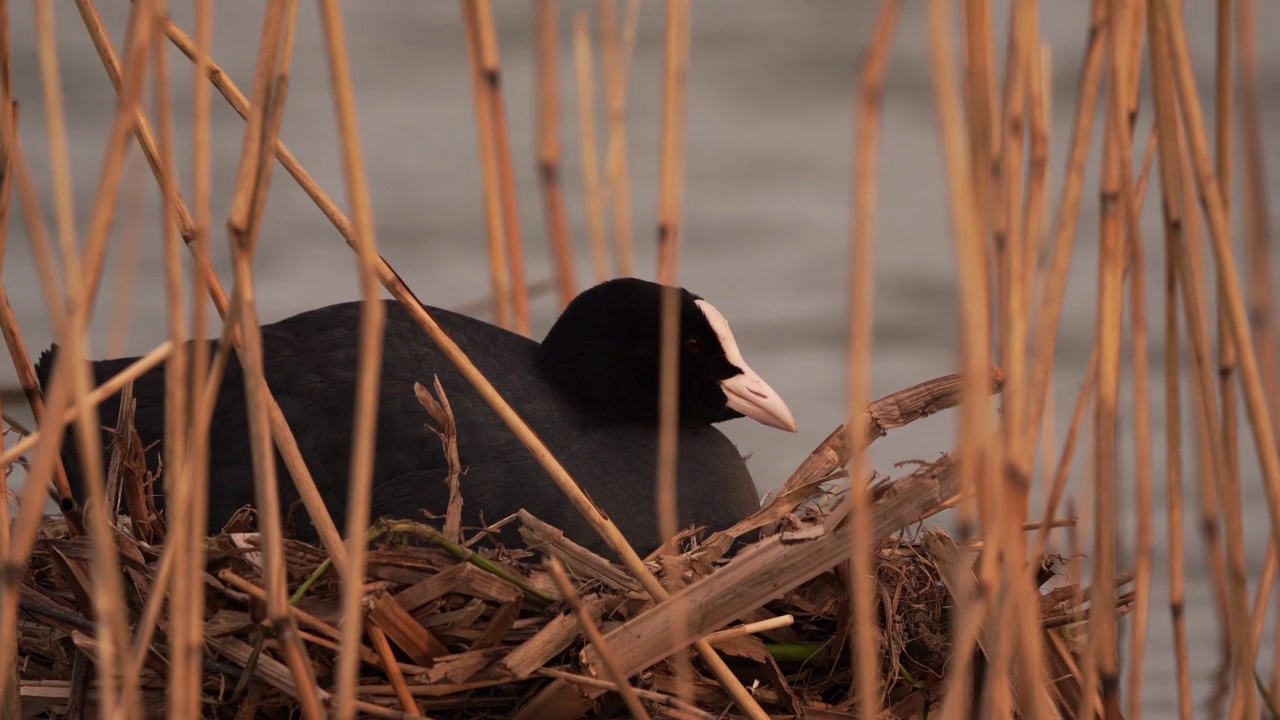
point(835, 600)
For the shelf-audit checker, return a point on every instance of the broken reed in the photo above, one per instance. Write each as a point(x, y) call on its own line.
point(999, 218)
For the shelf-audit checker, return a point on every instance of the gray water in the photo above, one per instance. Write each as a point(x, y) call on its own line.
point(766, 220)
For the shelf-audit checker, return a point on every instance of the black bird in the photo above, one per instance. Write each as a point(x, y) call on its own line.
point(589, 390)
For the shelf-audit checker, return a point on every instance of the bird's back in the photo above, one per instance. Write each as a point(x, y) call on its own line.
point(311, 361)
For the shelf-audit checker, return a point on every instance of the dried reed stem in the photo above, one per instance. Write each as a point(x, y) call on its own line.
point(1117, 155)
point(1245, 698)
point(670, 207)
point(592, 632)
point(495, 219)
point(1263, 597)
point(1063, 469)
point(549, 146)
point(93, 250)
point(978, 69)
point(1170, 169)
point(186, 672)
point(372, 322)
point(592, 191)
point(1125, 41)
point(1211, 199)
point(1015, 309)
point(1226, 348)
point(1139, 348)
point(752, 628)
point(10, 701)
point(1258, 220)
point(617, 63)
point(870, 109)
point(1053, 293)
point(506, 172)
point(142, 127)
point(132, 230)
point(187, 592)
point(30, 509)
point(665, 490)
point(675, 79)
point(1039, 100)
point(238, 102)
point(1228, 277)
point(1208, 501)
point(56, 128)
point(1173, 449)
point(248, 203)
point(392, 666)
point(1262, 310)
point(73, 369)
point(965, 213)
point(26, 373)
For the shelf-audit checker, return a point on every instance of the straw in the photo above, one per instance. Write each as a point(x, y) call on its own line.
point(188, 603)
point(593, 192)
point(372, 322)
point(495, 217)
point(968, 236)
point(670, 216)
point(1258, 231)
point(550, 147)
point(870, 106)
point(593, 634)
point(617, 47)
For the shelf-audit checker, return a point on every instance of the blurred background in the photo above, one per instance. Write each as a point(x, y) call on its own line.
point(766, 233)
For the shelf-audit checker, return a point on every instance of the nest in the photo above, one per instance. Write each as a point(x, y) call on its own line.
point(466, 629)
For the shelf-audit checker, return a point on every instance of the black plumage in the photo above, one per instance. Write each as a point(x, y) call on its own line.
point(590, 391)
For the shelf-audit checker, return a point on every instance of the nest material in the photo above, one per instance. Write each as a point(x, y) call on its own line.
point(467, 642)
point(461, 629)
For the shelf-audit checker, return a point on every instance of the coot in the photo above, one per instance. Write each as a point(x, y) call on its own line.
point(590, 391)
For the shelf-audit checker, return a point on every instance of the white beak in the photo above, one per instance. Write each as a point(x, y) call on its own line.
point(747, 393)
point(750, 395)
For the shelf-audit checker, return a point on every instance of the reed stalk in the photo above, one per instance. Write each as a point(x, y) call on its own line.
point(592, 632)
point(372, 323)
point(675, 78)
point(1173, 450)
point(10, 700)
point(188, 602)
point(1053, 292)
point(500, 276)
point(968, 235)
point(550, 147)
point(863, 558)
point(617, 46)
point(592, 190)
point(506, 173)
point(1009, 221)
point(186, 673)
point(1191, 293)
point(1257, 226)
point(248, 204)
point(670, 215)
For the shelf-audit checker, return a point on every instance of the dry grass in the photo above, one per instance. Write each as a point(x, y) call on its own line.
point(478, 632)
point(846, 606)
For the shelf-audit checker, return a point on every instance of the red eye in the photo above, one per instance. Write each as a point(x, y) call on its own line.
point(692, 344)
